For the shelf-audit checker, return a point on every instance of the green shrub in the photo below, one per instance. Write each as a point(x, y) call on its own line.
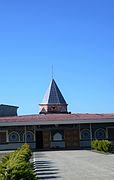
point(94, 144)
point(16, 165)
point(102, 145)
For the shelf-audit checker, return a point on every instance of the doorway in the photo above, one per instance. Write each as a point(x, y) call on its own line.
point(39, 139)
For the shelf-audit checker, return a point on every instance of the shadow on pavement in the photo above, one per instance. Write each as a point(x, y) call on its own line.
point(45, 169)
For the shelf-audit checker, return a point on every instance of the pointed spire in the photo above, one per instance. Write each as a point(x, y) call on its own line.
point(53, 95)
point(53, 100)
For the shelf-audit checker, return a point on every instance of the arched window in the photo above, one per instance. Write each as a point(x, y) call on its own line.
point(100, 134)
point(57, 137)
point(85, 134)
point(14, 137)
point(29, 136)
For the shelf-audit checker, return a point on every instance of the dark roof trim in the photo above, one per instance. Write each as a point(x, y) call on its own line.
point(9, 105)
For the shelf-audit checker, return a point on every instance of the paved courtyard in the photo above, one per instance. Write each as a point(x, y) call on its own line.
point(73, 165)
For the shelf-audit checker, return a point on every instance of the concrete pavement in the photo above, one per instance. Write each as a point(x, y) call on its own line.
point(73, 165)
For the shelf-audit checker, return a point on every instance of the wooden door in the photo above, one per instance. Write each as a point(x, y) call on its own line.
point(72, 138)
point(46, 139)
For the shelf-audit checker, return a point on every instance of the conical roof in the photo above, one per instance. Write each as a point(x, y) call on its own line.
point(53, 95)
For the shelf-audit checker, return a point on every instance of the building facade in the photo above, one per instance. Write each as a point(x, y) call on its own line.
point(54, 127)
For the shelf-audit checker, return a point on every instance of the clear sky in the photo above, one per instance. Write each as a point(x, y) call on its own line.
point(76, 36)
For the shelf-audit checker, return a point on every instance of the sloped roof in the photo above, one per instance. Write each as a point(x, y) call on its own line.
point(56, 119)
point(53, 95)
point(60, 117)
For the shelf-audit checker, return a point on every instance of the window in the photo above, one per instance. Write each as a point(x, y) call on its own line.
point(57, 135)
point(100, 134)
point(85, 134)
point(2, 136)
point(14, 137)
point(29, 137)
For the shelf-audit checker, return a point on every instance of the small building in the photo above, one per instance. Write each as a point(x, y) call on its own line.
point(8, 110)
point(54, 127)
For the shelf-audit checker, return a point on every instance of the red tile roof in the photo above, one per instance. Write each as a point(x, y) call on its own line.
point(55, 117)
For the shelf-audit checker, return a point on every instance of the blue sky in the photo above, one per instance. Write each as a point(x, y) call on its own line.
point(76, 36)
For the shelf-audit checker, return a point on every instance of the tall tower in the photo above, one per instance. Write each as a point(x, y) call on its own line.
point(53, 101)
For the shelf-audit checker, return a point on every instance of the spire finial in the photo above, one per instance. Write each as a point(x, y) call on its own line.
point(52, 71)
